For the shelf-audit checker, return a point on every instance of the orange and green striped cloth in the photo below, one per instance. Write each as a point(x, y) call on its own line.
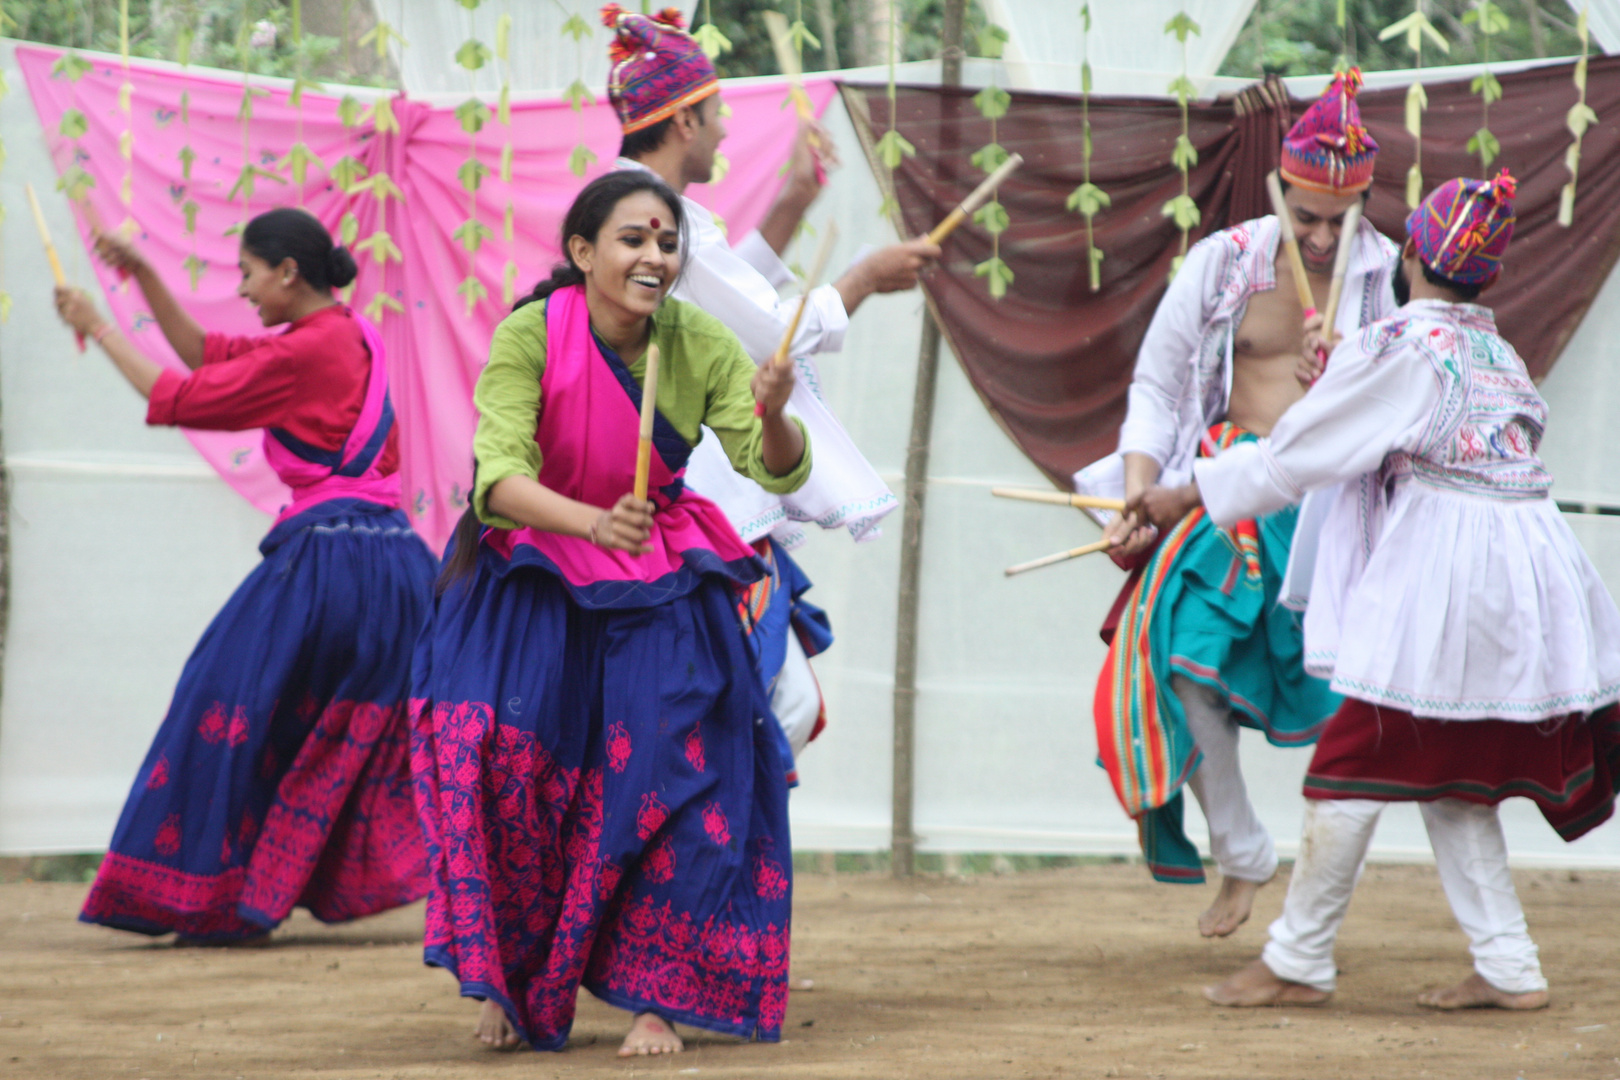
point(1204, 607)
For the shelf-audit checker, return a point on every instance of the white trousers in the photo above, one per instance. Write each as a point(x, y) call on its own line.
point(1471, 855)
point(1240, 844)
point(796, 699)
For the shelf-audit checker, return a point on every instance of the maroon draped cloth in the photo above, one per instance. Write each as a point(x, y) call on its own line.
point(1052, 360)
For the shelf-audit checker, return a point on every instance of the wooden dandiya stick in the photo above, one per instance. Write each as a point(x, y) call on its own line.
point(787, 58)
point(976, 199)
point(823, 253)
point(93, 219)
point(1341, 266)
point(649, 410)
point(1062, 556)
point(1285, 222)
point(1059, 498)
point(50, 248)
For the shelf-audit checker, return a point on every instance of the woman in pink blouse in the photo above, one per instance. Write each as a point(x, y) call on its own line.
point(281, 774)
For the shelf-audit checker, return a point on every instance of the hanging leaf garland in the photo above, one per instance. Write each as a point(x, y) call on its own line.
point(75, 181)
point(299, 156)
point(503, 115)
point(247, 179)
point(350, 174)
point(892, 148)
point(580, 159)
point(472, 115)
point(708, 36)
point(1489, 20)
point(347, 172)
point(1415, 27)
point(5, 296)
point(993, 103)
point(1181, 209)
point(1579, 119)
point(126, 109)
point(1088, 198)
point(194, 264)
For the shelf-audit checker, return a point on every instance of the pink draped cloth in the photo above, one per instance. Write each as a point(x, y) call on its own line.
point(436, 349)
point(311, 483)
point(588, 431)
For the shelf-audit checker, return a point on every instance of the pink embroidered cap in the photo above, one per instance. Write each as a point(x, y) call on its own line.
point(1463, 227)
point(1329, 150)
point(657, 66)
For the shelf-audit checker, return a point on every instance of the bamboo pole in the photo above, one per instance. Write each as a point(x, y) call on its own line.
point(902, 833)
point(50, 249)
point(782, 356)
point(1060, 498)
point(649, 412)
point(979, 196)
point(1341, 266)
point(1302, 284)
point(1062, 556)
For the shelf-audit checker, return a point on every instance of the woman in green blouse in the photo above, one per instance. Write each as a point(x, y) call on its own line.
point(601, 778)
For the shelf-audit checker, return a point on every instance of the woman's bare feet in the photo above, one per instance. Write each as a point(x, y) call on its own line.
point(649, 1034)
point(1475, 993)
point(1255, 985)
point(1231, 907)
point(494, 1029)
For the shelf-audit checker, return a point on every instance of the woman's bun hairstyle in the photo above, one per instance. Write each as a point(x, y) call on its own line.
point(340, 267)
point(289, 233)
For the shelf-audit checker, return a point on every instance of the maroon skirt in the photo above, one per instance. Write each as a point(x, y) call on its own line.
point(1566, 766)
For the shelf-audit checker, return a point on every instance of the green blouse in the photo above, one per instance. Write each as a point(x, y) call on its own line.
point(704, 378)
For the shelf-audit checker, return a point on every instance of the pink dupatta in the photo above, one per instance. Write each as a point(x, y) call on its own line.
point(587, 433)
point(351, 473)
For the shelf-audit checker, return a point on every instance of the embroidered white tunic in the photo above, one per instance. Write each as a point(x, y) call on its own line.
point(738, 285)
point(1183, 378)
point(1446, 583)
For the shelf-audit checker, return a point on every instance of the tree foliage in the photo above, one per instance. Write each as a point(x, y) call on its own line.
point(205, 30)
point(1302, 37)
point(921, 22)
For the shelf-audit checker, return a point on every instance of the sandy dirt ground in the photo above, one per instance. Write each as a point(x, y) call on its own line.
point(1085, 972)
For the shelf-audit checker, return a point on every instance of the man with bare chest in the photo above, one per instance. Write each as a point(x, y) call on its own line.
point(1198, 643)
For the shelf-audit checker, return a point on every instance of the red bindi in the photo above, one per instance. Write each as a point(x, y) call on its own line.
point(656, 223)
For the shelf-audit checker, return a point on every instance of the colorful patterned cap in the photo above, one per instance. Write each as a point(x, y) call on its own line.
point(1463, 227)
point(657, 67)
point(1329, 150)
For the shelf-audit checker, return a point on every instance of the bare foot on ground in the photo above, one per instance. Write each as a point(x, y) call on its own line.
point(1255, 985)
point(1231, 907)
point(1475, 993)
point(494, 1029)
point(649, 1034)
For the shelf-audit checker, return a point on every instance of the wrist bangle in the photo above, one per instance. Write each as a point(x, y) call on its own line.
point(101, 335)
point(596, 521)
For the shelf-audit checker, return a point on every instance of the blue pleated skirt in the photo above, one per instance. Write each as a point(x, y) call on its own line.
point(281, 774)
point(604, 803)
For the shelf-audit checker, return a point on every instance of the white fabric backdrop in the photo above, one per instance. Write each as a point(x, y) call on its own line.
point(1125, 36)
point(541, 58)
point(124, 545)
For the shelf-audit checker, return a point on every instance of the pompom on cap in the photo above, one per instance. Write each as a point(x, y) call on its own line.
point(657, 66)
point(1461, 231)
point(1330, 150)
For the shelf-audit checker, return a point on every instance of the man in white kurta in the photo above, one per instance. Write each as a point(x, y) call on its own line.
point(738, 284)
point(1477, 650)
point(1201, 645)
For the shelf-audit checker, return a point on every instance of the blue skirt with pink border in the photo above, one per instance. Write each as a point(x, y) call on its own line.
point(281, 774)
point(604, 802)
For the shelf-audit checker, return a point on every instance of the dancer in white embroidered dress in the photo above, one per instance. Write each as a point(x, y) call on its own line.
point(676, 134)
point(1477, 649)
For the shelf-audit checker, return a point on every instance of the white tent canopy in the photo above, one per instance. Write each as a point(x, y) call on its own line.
point(123, 545)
